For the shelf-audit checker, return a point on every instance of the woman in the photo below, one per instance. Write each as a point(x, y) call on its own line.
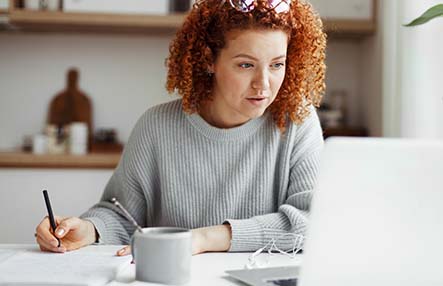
point(236, 158)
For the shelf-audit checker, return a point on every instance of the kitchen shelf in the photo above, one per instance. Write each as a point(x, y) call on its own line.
point(345, 131)
point(353, 28)
point(29, 160)
point(57, 21)
point(50, 21)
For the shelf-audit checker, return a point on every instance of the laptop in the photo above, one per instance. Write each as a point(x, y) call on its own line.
point(376, 217)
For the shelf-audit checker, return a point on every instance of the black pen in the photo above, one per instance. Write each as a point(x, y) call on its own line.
point(50, 214)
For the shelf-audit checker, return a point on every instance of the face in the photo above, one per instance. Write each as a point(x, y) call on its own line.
point(248, 74)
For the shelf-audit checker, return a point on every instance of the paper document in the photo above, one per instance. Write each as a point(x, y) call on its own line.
point(92, 265)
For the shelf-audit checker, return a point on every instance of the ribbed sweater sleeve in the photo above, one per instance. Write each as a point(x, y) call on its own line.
point(125, 185)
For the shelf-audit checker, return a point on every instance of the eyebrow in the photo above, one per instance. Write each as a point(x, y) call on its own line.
point(255, 59)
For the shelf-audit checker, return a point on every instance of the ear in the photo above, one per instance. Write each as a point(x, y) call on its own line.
point(211, 68)
point(209, 59)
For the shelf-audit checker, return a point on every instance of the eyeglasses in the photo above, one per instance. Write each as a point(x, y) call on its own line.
point(245, 6)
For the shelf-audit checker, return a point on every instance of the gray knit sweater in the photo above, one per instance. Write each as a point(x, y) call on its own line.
point(177, 170)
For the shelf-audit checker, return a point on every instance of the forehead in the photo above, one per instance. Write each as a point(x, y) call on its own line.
point(258, 43)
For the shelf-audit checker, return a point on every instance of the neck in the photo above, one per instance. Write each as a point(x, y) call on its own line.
point(215, 116)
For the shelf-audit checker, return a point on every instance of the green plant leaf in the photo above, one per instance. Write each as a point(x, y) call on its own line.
point(430, 14)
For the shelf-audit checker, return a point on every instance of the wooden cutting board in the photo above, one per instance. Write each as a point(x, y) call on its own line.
point(71, 105)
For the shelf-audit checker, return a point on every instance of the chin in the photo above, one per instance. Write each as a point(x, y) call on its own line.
point(252, 112)
point(256, 114)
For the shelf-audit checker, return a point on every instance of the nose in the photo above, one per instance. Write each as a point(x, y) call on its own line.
point(261, 81)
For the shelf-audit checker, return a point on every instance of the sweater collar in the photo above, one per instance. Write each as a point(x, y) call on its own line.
point(226, 134)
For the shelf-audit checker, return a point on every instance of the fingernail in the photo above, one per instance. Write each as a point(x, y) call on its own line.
point(54, 243)
point(60, 231)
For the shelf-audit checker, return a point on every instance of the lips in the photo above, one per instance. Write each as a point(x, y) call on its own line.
point(257, 98)
point(258, 101)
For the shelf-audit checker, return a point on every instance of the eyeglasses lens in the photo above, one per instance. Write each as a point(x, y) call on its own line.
point(243, 5)
point(280, 6)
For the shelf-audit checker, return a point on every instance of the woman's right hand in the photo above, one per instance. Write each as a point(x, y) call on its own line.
point(73, 233)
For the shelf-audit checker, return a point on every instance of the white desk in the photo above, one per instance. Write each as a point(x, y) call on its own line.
point(207, 269)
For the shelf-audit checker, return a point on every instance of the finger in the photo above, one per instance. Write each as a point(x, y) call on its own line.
point(42, 248)
point(45, 246)
point(58, 219)
point(66, 225)
point(124, 251)
point(44, 231)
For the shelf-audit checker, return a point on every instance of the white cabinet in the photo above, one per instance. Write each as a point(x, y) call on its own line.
point(344, 9)
point(22, 207)
point(157, 7)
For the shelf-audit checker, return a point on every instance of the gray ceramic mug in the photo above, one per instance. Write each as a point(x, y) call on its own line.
point(162, 255)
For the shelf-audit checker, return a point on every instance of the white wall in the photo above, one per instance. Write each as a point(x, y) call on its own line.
point(422, 62)
point(413, 57)
point(122, 75)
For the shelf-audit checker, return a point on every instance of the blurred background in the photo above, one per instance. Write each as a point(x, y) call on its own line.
point(75, 75)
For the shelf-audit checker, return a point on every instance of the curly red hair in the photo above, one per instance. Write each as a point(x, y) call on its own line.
point(202, 36)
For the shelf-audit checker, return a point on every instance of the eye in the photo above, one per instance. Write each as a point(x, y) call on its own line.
point(246, 65)
point(277, 66)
